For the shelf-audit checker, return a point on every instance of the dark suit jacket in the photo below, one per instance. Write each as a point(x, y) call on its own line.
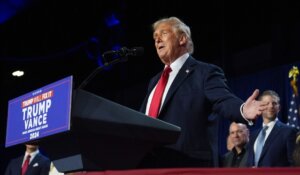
point(278, 148)
point(198, 90)
point(40, 165)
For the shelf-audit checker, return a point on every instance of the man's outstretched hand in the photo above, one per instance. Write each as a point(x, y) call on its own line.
point(253, 108)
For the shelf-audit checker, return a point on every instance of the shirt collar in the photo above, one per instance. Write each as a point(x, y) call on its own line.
point(236, 153)
point(270, 124)
point(178, 63)
point(33, 154)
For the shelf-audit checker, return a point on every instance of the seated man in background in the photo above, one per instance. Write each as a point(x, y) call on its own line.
point(238, 137)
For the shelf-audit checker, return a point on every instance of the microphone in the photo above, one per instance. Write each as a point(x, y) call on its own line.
point(118, 56)
point(124, 52)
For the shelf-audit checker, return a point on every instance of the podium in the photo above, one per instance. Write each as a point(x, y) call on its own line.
point(105, 135)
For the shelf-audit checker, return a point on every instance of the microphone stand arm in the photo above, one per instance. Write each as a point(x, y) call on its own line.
point(98, 69)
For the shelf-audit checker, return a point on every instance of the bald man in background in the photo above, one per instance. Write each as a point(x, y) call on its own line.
point(238, 137)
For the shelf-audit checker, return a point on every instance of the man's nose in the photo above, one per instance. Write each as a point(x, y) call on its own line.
point(158, 39)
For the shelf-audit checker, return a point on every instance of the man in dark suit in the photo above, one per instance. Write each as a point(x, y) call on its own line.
point(38, 163)
point(194, 90)
point(278, 143)
point(239, 137)
point(296, 153)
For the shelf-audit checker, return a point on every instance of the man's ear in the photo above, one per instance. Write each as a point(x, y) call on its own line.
point(183, 40)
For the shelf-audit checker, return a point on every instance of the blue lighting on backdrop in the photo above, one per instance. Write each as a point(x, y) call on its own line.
point(9, 8)
point(93, 48)
point(111, 20)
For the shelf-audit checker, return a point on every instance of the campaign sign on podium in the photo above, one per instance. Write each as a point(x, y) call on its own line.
point(40, 113)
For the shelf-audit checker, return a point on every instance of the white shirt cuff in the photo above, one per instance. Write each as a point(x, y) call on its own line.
point(250, 123)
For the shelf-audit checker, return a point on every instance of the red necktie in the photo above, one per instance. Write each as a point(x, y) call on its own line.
point(26, 164)
point(158, 93)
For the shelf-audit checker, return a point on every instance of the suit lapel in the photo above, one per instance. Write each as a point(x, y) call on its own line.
point(251, 155)
point(19, 162)
point(33, 164)
point(151, 85)
point(183, 73)
point(270, 138)
point(154, 82)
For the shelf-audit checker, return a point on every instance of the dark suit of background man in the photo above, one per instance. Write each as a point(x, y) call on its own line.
point(296, 153)
point(238, 154)
point(39, 164)
point(194, 91)
point(280, 139)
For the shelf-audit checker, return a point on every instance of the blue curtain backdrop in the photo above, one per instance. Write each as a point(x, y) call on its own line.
point(275, 79)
